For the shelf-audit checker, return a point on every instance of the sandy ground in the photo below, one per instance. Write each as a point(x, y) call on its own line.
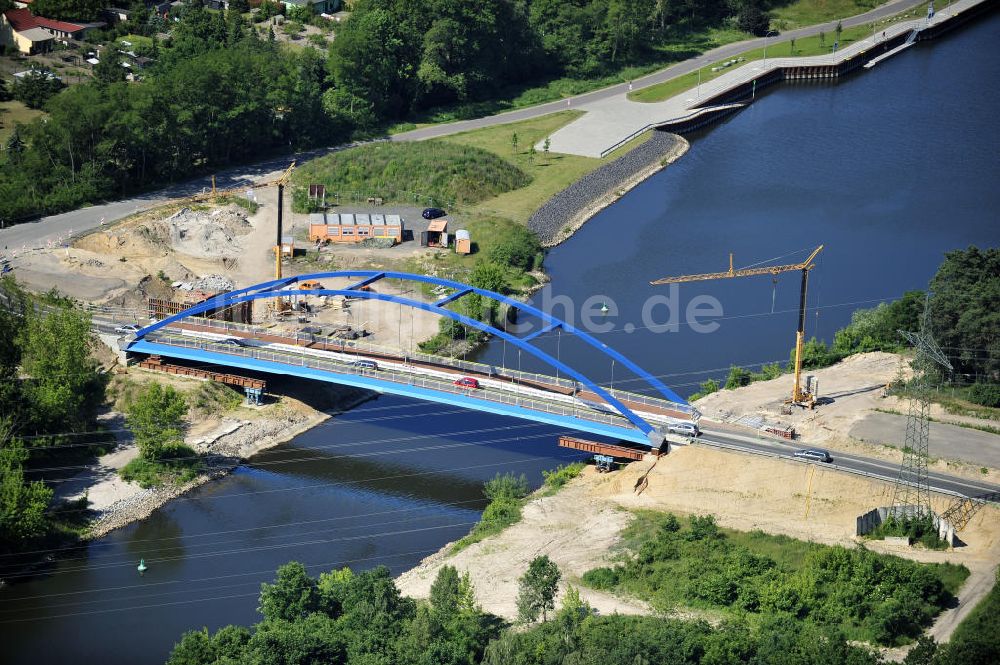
point(853, 391)
point(579, 527)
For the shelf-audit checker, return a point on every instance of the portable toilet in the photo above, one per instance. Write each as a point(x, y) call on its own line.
point(463, 242)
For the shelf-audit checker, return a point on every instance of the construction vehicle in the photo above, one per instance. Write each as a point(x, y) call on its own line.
point(800, 396)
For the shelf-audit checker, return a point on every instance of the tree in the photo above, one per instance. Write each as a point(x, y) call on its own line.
point(239, 6)
point(65, 388)
point(293, 595)
point(35, 88)
point(537, 589)
point(791, 46)
point(545, 147)
point(531, 154)
point(109, 66)
point(78, 10)
point(156, 419)
point(513, 142)
point(445, 593)
point(838, 30)
point(15, 145)
point(23, 504)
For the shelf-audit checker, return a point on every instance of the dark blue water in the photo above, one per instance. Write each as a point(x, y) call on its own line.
point(889, 169)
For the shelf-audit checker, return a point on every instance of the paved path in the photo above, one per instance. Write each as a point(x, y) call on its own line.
point(946, 441)
point(56, 229)
point(614, 119)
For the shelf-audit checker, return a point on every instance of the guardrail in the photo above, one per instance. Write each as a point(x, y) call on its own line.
point(346, 366)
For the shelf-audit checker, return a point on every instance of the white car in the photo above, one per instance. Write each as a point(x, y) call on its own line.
point(684, 429)
point(127, 329)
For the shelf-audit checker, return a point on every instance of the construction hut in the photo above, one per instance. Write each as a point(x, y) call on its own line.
point(463, 242)
point(436, 234)
point(350, 228)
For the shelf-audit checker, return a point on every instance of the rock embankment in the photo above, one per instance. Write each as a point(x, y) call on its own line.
point(565, 212)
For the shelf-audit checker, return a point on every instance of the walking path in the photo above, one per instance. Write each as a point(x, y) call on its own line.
point(613, 120)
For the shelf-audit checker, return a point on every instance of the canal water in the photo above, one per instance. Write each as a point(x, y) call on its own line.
point(888, 169)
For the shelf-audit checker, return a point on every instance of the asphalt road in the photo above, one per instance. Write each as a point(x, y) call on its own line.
point(852, 463)
point(59, 228)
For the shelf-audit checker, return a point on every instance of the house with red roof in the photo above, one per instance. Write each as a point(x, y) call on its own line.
point(34, 34)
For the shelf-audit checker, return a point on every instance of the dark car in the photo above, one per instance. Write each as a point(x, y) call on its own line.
point(433, 213)
point(233, 341)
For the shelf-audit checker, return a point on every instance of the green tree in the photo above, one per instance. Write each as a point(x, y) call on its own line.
point(292, 596)
point(156, 419)
point(738, 377)
point(65, 388)
point(239, 6)
point(79, 10)
point(15, 145)
point(839, 30)
point(444, 595)
point(35, 88)
point(109, 66)
point(537, 589)
point(23, 504)
point(513, 143)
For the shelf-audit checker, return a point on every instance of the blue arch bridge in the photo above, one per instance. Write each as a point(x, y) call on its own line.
point(570, 399)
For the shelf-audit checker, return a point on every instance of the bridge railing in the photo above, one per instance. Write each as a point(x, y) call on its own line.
point(466, 366)
point(344, 366)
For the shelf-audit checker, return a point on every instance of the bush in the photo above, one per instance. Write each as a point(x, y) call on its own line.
point(179, 465)
point(706, 388)
point(601, 578)
point(519, 249)
point(506, 486)
point(985, 394)
point(562, 474)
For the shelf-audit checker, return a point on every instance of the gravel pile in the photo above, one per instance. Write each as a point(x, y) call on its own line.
point(562, 208)
point(208, 234)
point(211, 283)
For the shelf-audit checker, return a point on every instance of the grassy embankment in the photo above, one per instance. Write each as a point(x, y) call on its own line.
point(754, 576)
point(681, 46)
point(12, 113)
point(804, 47)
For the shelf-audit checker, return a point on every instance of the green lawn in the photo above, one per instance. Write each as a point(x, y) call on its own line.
point(813, 12)
point(12, 113)
point(807, 46)
point(550, 173)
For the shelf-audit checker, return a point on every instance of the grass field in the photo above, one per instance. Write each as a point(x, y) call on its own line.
point(813, 12)
point(550, 173)
point(804, 47)
point(12, 113)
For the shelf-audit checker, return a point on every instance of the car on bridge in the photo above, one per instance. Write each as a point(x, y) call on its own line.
point(233, 341)
point(814, 454)
point(683, 428)
point(127, 329)
point(366, 364)
point(467, 382)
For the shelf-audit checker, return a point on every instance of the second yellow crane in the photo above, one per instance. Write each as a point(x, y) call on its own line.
point(800, 397)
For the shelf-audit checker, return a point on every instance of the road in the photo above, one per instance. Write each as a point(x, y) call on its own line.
point(57, 229)
point(939, 482)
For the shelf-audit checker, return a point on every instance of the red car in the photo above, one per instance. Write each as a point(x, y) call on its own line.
point(467, 382)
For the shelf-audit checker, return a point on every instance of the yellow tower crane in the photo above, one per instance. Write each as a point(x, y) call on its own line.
point(800, 397)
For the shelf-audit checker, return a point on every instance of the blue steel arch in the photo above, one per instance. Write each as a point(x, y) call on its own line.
point(274, 288)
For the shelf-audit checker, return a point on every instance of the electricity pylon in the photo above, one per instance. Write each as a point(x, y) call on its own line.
point(912, 490)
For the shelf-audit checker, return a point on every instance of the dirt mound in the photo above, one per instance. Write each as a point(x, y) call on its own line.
point(206, 234)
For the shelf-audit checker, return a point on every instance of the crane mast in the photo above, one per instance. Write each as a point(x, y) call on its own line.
point(799, 397)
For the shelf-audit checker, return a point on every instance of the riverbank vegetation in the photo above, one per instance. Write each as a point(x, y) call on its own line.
point(506, 494)
point(963, 319)
point(346, 617)
point(50, 390)
point(156, 419)
point(693, 563)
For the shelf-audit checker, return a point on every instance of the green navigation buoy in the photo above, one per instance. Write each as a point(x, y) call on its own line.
point(142, 566)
